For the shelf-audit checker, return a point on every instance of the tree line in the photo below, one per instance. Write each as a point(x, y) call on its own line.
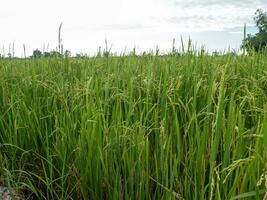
point(257, 42)
point(37, 53)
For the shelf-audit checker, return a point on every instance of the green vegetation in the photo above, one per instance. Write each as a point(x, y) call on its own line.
point(135, 127)
point(257, 42)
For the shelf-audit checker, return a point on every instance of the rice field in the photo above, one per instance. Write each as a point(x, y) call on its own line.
point(184, 126)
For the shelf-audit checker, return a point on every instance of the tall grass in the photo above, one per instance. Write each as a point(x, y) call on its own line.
point(136, 127)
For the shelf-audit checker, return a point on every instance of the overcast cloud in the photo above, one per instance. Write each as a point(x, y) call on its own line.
point(214, 14)
point(190, 3)
point(124, 23)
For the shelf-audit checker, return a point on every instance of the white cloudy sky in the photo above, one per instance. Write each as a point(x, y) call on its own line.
point(145, 24)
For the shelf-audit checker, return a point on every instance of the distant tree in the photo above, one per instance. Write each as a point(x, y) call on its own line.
point(261, 20)
point(216, 53)
point(81, 55)
point(37, 53)
point(257, 42)
point(67, 53)
point(47, 54)
point(55, 54)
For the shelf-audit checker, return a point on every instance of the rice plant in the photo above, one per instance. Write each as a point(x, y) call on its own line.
point(182, 126)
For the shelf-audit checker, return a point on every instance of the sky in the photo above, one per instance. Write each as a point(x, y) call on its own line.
point(125, 24)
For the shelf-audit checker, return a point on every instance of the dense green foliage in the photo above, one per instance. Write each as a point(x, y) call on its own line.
point(150, 127)
point(257, 42)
